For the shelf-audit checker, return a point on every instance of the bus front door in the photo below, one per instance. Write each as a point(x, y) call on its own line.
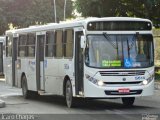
point(78, 63)
point(40, 62)
point(1, 58)
point(14, 62)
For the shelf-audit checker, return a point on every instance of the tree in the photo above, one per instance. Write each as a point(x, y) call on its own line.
point(97, 8)
point(109, 8)
point(24, 13)
point(3, 18)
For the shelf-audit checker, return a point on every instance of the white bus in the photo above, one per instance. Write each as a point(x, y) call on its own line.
point(93, 58)
point(2, 38)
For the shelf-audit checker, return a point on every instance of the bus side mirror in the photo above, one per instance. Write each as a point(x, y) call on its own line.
point(83, 42)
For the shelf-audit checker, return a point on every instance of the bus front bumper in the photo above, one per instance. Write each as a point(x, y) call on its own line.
point(94, 91)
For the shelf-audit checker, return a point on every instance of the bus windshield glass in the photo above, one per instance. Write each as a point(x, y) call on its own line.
point(119, 51)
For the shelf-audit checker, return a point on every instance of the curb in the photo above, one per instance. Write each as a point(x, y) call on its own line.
point(157, 85)
point(2, 104)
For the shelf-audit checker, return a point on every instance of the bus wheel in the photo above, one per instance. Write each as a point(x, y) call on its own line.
point(25, 91)
point(128, 101)
point(68, 94)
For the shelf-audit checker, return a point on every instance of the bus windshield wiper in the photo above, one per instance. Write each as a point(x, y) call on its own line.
point(109, 40)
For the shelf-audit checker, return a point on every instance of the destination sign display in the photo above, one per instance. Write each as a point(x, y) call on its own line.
point(119, 26)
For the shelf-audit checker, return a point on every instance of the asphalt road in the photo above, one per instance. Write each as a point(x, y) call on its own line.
point(54, 108)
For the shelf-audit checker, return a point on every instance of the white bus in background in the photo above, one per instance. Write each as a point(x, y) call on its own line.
point(2, 38)
point(92, 58)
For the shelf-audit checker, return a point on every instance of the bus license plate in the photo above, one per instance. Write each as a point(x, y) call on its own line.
point(124, 90)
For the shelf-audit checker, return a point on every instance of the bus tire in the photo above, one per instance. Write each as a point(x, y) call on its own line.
point(25, 91)
point(68, 94)
point(128, 101)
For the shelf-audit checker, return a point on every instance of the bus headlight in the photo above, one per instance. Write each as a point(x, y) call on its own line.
point(145, 82)
point(100, 83)
point(148, 80)
point(95, 81)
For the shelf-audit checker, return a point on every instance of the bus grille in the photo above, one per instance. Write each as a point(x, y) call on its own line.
point(122, 73)
point(132, 92)
point(123, 83)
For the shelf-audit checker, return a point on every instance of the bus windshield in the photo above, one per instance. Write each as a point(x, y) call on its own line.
point(119, 51)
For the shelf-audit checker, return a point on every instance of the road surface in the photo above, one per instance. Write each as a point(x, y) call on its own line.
point(53, 107)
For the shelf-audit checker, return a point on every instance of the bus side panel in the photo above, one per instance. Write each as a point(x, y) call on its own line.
point(55, 71)
point(66, 68)
point(31, 74)
point(28, 67)
point(8, 70)
point(51, 76)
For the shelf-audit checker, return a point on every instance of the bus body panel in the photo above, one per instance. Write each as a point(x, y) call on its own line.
point(94, 91)
point(31, 74)
point(53, 77)
point(8, 70)
point(27, 67)
point(55, 72)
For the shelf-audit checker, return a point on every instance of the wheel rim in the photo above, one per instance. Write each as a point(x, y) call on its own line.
point(68, 94)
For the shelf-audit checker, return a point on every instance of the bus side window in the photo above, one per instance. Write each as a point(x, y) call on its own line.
point(22, 45)
point(68, 43)
point(31, 45)
point(50, 43)
point(59, 44)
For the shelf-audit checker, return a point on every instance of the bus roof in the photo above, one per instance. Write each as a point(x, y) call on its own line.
point(74, 23)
